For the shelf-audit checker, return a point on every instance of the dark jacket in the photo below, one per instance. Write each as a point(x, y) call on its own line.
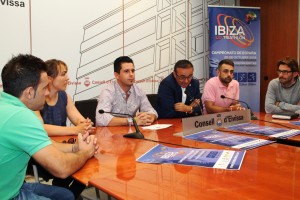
point(169, 93)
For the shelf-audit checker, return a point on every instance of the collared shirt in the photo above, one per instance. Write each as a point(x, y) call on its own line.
point(213, 89)
point(183, 95)
point(113, 99)
point(22, 135)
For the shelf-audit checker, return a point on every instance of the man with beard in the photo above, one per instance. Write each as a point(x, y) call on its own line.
point(223, 84)
point(283, 92)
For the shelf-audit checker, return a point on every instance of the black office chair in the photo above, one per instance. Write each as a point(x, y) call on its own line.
point(87, 108)
point(152, 99)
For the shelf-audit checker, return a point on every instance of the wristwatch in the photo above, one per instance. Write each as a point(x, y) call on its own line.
point(129, 119)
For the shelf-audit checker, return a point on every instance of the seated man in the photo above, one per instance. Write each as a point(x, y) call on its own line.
point(178, 94)
point(22, 134)
point(124, 96)
point(223, 84)
point(282, 96)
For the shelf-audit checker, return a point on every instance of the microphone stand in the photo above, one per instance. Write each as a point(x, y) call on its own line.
point(137, 134)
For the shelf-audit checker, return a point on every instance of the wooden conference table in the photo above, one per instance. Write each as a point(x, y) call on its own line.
point(267, 172)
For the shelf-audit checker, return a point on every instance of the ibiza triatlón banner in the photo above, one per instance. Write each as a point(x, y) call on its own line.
point(235, 34)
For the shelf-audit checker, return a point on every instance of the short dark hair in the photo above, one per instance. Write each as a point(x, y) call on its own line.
point(119, 61)
point(225, 61)
point(20, 72)
point(183, 64)
point(290, 62)
point(53, 67)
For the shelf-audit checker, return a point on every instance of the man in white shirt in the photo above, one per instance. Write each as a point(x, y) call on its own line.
point(124, 96)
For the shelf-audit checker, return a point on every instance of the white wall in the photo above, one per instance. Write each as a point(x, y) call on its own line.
point(88, 36)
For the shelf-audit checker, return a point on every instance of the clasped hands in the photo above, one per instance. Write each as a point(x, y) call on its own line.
point(235, 107)
point(181, 107)
point(85, 126)
point(144, 118)
point(87, 143)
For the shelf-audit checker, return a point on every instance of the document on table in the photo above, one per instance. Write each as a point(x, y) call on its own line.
point(297, 123)
point(157, 126)
point(265, 130)
point(226, 139)
point(212, 158)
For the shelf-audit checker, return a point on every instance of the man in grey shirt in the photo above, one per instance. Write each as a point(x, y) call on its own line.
point(283, 95)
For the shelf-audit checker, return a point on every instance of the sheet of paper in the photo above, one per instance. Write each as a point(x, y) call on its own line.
point(157, 126)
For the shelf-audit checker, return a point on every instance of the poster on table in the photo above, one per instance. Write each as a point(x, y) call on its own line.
point(229, 140)
point(211, 158)
point(235, 34)
point(281, 133)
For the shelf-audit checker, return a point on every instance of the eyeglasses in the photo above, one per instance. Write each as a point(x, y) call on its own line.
point(184, 77)
point(70, 141)
point(283, 72)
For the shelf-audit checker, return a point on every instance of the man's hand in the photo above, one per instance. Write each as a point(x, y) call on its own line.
point(195, 103)
point(88, 144)
point(236, 107)
point(144, 118)
point(85, 125)
point(181, 107)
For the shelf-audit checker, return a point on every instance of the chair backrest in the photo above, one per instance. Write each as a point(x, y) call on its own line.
point(87, 108)
point(152, 99)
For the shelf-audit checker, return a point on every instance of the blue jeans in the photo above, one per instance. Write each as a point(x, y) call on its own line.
point(38, 191)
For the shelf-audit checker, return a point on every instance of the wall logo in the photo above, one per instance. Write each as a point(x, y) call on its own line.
point(233, 29)
point(87, 81)
point(251, 16)
point(12, 3)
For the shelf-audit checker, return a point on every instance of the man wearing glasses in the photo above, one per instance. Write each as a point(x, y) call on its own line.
point(178, 94)
point(223, 84)
point(283, 92)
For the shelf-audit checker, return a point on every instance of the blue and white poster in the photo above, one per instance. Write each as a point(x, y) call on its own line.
point(235, 34)
point(212, 158)
point(282, 133)
point(226, 139)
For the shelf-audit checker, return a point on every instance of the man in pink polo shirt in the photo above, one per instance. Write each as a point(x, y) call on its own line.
point(223, 84)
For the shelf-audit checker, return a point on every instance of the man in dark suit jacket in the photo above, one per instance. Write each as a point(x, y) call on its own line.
point(178, 94)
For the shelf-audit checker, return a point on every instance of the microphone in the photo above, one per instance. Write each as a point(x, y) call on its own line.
point(192, 99)
point(137, 134)
point(253, 117)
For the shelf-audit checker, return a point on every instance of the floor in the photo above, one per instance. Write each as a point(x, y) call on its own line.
point(88, 194)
